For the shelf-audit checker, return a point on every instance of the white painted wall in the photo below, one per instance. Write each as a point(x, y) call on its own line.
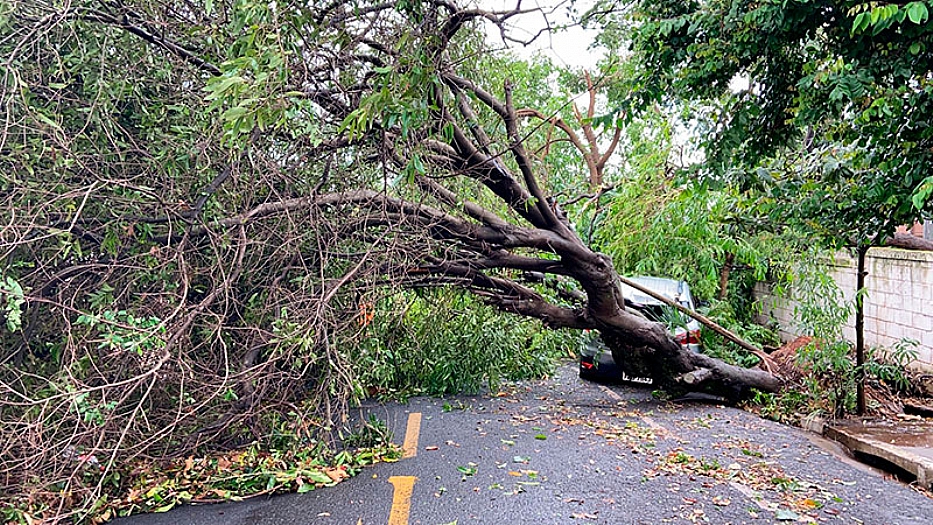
point(899, 303)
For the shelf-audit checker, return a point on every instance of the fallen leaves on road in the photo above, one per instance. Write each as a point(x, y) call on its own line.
point(721, 501)
point(237, 475)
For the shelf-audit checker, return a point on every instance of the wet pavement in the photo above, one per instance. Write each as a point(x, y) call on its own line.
point(567, 451)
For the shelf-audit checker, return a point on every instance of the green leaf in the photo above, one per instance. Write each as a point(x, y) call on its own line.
point(860, 23)
point(786, 515)
point(234, 113)
point(418, 164)
point(165, 508)
point(318, 477)
point(915, 48)
point(43, 118)
point(917, 12)
point(219, 87)
point(922, 194)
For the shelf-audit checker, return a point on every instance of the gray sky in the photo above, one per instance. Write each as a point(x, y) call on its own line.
point(567, 47)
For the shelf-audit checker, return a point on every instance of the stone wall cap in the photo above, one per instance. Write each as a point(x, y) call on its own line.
point(900, 254)
point(844, 259)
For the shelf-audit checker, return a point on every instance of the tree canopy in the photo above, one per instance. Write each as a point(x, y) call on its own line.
point(841, 89)
point(822, 108)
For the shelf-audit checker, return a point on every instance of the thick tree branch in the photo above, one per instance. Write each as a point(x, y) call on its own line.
point(439, 224)
point(516, 298)
point(490, 171)
point(452, 199)
point(517, 148)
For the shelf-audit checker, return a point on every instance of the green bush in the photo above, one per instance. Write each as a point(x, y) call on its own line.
point(444, 342)
point(832, 374)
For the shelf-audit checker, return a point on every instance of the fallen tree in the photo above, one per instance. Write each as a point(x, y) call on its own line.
point(203, 200)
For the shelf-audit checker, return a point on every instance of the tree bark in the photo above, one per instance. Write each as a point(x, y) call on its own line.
point(909, 242)
point(724, 275)
point(861, 252)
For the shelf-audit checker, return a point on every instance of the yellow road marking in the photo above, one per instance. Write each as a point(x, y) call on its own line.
point(410, 446)
point(401, 499)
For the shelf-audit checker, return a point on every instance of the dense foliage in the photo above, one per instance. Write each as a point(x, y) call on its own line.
point(818, 110)
point(171, 283)
point(445, 342)
point(838, 91)
point(224, 220)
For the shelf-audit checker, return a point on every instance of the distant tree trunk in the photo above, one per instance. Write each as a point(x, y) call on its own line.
point(724, 275)
point(860, 330)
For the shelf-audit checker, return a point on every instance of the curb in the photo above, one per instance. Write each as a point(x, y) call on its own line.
point(883, 441)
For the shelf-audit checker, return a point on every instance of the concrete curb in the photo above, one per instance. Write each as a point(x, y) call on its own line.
point(909, 445)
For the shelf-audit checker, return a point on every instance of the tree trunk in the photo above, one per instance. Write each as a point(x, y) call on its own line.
point(861, 252)
point(724, 275)
point(909, 242)
point(677, 369)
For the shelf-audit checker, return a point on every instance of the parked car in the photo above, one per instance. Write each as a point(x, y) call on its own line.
point(596, 359)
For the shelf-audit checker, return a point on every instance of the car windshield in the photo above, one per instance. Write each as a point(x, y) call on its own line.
point(666, 315)
point(669, 288)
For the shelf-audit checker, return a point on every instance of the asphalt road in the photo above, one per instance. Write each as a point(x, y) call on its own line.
point(566, 451)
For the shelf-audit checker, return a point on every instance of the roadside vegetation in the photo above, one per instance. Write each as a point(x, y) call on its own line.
point(440, 342)
point(225, 223)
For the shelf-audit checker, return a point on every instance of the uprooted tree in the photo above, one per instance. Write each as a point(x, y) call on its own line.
point(200, 200)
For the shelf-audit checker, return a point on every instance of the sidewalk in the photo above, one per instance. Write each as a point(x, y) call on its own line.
point(906, 444)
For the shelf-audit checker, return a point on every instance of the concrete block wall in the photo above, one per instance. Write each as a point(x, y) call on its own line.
point(899, 302)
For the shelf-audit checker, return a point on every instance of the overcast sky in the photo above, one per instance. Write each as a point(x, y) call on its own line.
point(567, 47)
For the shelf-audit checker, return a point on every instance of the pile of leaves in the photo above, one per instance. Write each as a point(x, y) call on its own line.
point(147, 486)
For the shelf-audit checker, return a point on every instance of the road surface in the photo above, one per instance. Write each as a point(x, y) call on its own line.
point(564, 451)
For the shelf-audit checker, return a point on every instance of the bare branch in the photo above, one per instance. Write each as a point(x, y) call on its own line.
point(524, 163)
point(122, 21)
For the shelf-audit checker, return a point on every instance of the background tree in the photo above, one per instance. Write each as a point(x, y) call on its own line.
point(838, 90)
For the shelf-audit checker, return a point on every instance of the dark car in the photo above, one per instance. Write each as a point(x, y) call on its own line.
point(596, 361)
